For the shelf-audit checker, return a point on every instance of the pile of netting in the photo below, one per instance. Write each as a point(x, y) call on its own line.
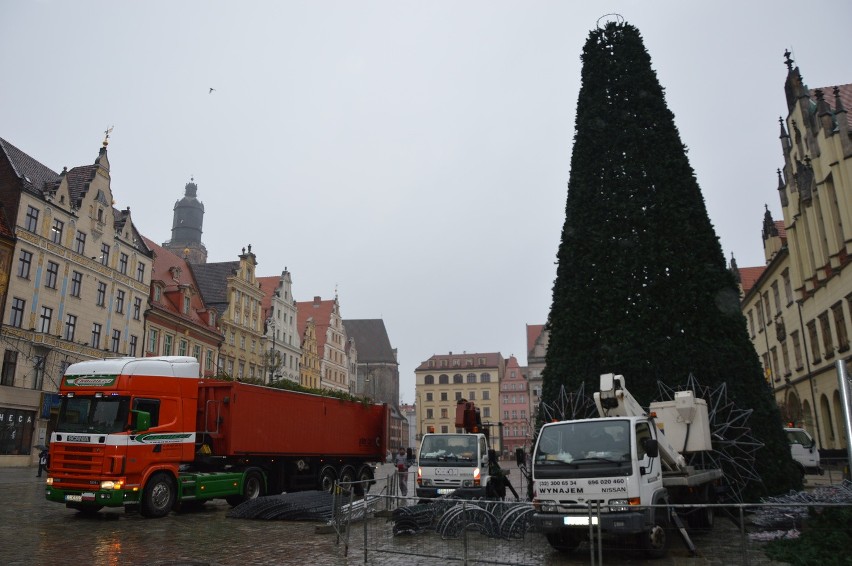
point(786, 514)
point(451, 517)
point(298, 506)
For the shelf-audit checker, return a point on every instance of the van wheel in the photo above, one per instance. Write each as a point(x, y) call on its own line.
point(159, 496)
point(653, 542)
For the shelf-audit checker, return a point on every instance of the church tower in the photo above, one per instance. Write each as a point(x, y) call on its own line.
point(186, 227)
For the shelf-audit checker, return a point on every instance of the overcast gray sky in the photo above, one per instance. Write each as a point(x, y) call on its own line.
point(412, 155)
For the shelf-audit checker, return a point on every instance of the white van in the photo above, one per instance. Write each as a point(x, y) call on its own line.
point(804, 450)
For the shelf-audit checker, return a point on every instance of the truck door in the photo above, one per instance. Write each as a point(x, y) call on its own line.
point(646, 463)
point(156, 444)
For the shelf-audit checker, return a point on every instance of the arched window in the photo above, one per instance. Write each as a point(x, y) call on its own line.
point(443, 379)
point(486, 378)
point(429, 380)
point(457, 378)
point(471, 378)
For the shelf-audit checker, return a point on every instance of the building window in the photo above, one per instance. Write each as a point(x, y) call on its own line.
point(38, 371)
point(10, 362)
point(122, 263)
point(776, 295)
point(751, 323)
point(457, 378)
point(785, 357)
point(827, 341)
point(105, 254)
point(458, 396)
point(56, 231)
point(16, 316)
point(486, 378)
point(140, 272)
point(429, 412)
point(158, 292)
point(486, 412)
point(812, 335)
point(208, 360)
point(80, 243)
point(797, 349)
point(31, 221)
point(70, 327)
point(444, 413)
point(116, 340)
point(472, 396)
point(444, 379)
point(196, 352)
point(471, 378)
point(182, 348)
point(429, 396)
point(137, 308)
point(153, 340)
point(25, 260)
point(186, 302)
point(775, 373)
point(76, 283)
point(133, 341)
point(119, 302)
point(100, 300)
point(443, 395)
point(429, 380)
point(52, 275)
point(96, 335)
point(840, 327)
point(788, 287)
point(167, 344)
point(486, 395)
point(46, 317)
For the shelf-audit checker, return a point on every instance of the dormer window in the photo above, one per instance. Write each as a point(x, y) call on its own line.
point(186, 302)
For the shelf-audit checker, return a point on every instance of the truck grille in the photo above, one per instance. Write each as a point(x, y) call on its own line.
point(75, 466)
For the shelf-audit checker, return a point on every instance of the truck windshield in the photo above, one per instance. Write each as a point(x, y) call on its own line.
point(93, 414)
point(461, 448)
point(579, 443)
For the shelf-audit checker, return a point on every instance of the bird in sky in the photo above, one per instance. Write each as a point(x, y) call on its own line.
point(211, 90)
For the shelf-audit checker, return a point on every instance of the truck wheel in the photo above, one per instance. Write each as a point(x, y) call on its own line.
point(653, 542)
point(159, 496)
point(327, 478)
point(564, 540)
point(365, 479)
point(347, 475)
point(252, 488)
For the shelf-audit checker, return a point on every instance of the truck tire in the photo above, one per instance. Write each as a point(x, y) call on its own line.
point(564, 540)
point(654, 541)
point(327, 477)
point(347, 475)
point(252, 488)
point(158, 498)
point(366, 479)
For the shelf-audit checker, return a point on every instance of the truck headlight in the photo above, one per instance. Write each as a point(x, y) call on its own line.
point(111, 484)
point(545, 505)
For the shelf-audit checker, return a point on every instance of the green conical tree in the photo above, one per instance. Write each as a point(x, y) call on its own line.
point(641, 286)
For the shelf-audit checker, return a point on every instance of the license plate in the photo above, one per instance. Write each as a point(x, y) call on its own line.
point(444, 491)
point(574, 521)
point(76, 498)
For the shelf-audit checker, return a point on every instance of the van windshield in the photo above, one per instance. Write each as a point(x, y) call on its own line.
point(461, 448)
point(100, 415)
point(799, 437)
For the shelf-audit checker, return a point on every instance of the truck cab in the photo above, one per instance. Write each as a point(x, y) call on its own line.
point(804, 450)
point(452, 464)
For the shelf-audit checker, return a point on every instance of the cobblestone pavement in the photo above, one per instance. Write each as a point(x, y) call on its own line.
point(37, 532)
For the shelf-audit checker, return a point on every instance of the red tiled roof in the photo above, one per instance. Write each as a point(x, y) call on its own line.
point(320, 311)
point(749, 276)
point(268, 285)
point(533, 332)
point(845, 92)
point(492, 360)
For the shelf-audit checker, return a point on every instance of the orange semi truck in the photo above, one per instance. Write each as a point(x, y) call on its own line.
point(149, 434)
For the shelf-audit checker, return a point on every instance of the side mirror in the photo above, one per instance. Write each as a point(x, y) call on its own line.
point(652, 448)
point(143, 421)
point(520, 457)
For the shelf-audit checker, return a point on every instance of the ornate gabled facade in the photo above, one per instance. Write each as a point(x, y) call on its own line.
point(309, 363)
point(231, 288)
point(178, 323)
point(514, 408)
point(283, 346)
point(444, 379)
point(799, 305)
point(79, 278)
point(537, 340)
point(331, 342)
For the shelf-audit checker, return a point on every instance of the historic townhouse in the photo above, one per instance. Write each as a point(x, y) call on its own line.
point(537, 340)
point(331, 342)
point(514, 408)
point(231, 289)
point(283, 345)
point(79, 278)
point(309, 363)
point(442, 380)
point(797, 306)
point(177, 320)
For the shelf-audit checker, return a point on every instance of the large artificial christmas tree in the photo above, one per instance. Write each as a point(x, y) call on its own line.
point(642, 288)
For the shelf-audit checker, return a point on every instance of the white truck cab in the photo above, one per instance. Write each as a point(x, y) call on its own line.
point(804, 451)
